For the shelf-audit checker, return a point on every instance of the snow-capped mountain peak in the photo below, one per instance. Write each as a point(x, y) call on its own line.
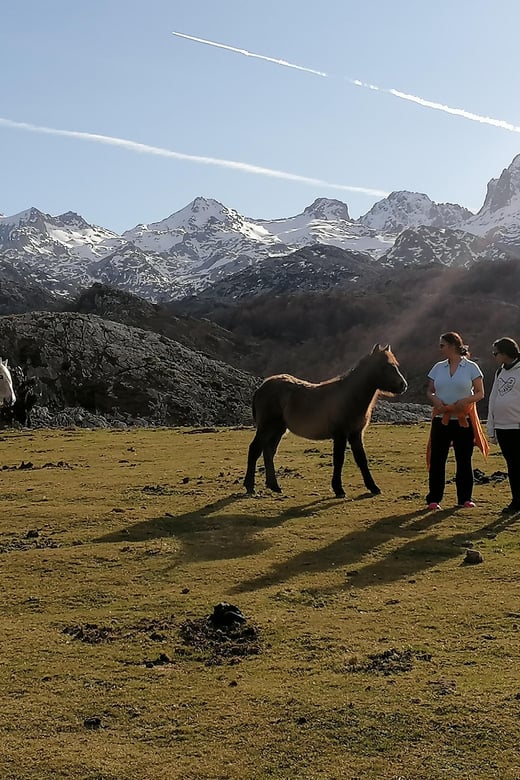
point(502, 191)
point(328, 208)
point(68, 228)
point(30, 216)
point(326, 221)
point(402, 209)
point(57, 248)
point(500, 215)
point(188, 230)
point(72, 220)
point(196, 214)
point(199, 212)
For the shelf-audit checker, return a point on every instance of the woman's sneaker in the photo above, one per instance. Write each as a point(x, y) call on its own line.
point(434, 505)
point(468, 504)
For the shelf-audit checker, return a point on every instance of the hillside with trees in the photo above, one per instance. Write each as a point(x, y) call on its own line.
point(319, 334)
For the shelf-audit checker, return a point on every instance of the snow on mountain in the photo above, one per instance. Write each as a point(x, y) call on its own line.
point(310, 268)
point(499, 216)
point(209, 239)
point(455, 248)
point(197, 242)
point(206, 241)
point(402, 210)
point(34, 233)
point(327, 222)
point(129, 268)
point(54, 251)
point(203, 217)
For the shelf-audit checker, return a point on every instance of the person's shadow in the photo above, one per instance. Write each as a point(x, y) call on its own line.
point(417, 553)
point(349, 549)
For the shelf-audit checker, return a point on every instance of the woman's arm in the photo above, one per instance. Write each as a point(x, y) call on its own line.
point(491, 411)
point(434, 399)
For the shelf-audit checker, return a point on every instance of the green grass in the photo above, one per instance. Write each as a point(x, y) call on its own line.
point(136, 532)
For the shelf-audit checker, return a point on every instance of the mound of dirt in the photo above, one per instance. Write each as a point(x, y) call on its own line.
point(223, 636)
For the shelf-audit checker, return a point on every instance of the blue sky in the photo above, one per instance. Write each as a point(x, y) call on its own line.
point(113, 68)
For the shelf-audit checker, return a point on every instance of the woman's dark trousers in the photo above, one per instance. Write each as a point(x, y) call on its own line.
point(442, 436)
point(509, 443)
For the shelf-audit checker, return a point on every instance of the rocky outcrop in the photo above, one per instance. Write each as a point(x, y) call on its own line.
point(400, 413)
point(112, 369)
point(199, 335)
point(328, 208)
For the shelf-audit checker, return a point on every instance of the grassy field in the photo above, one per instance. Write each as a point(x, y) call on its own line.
point(370, 650)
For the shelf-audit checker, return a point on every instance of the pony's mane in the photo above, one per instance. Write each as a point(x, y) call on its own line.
point(364, 359)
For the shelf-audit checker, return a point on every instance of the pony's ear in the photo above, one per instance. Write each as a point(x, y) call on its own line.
point(387, 348)
point(376, 348)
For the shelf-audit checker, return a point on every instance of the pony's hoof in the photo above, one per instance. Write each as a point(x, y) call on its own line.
point(341, 495)
point(375, 491)
point(274, 488)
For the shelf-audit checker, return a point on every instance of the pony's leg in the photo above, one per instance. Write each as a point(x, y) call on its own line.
point(255, 450)
point(270, 447)
point(338, 458)
point(356, 442)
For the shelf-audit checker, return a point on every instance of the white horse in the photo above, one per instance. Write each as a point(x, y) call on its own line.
point(7, 395)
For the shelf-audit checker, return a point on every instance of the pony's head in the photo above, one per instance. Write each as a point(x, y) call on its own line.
point(7, 395)
point(389, 378)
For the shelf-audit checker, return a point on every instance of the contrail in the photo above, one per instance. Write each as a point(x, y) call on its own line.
point(134, 146)
point(486, 120)
point(250, 54)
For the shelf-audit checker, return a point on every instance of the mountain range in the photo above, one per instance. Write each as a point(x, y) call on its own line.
point(207, 243)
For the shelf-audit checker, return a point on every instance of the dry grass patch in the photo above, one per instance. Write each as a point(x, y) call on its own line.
point(369, 649)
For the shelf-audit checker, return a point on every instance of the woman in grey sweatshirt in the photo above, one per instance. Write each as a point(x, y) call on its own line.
point(503, 425)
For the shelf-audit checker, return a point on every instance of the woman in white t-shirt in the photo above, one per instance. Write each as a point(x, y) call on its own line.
point(455, 384)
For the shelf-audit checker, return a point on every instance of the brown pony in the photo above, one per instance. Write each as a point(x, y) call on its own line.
point(338, 409)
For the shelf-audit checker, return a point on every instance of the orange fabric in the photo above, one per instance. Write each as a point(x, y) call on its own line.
point(479, 436)
point(462, 417)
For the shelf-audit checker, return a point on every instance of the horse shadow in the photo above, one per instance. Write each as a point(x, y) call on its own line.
point(212, 533)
